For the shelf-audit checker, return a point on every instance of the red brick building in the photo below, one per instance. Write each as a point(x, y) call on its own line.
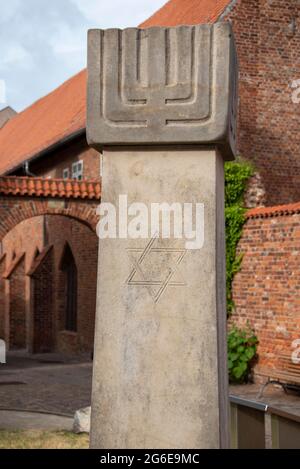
point(48, 263)
point(48, 140)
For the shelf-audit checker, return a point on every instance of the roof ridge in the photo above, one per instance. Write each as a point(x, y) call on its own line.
point(275, 211)
point(37, 178)
point(53, 188)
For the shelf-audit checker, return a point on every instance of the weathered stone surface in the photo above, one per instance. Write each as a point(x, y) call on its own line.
point(162, 86)
point(160, 371)
point(82, 420)
point(160, 374)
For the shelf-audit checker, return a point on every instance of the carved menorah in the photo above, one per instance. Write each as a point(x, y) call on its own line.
point(164, 85)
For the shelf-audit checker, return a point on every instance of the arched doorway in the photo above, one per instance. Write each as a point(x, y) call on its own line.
point(51, 286)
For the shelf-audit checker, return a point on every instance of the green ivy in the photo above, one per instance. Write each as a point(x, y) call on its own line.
point(237, 174)
point(236, 177)
point(242, 348)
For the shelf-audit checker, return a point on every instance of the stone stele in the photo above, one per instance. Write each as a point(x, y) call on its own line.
point(161, 108)
point(162, 86)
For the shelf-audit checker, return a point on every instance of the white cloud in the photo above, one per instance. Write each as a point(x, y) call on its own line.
point(14, 55)
point(43, 42)
point(117, 13)
point(8, 10)
point(70, 46)
point(67, 40)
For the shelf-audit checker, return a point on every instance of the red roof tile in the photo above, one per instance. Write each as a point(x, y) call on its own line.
point(277, 211)
point(39, 187)
point(47, 121)
point(61, 113)
point(177, 12)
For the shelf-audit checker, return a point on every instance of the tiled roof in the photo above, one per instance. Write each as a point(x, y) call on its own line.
point(49, 120)
point(277, 211)
point(39, 187)
point(61, 113)
point(177, 12)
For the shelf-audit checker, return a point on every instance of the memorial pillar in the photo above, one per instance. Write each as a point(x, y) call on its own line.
point(161, 108)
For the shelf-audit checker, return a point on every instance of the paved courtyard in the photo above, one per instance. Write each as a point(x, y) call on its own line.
point(20, 420)
point(45, 383)
point(60, 385)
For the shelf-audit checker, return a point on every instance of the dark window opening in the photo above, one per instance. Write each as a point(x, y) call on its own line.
point(68, 266)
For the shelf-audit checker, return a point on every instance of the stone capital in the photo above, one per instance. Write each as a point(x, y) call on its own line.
point(162, 86)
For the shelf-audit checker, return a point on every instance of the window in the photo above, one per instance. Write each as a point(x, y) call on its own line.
point(68, 266)
point(77, 170)
point(66, 173)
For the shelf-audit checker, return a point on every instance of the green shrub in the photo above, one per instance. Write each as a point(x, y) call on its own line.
point(242, 347)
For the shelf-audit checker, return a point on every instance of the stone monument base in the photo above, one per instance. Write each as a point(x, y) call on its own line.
point(160, 372)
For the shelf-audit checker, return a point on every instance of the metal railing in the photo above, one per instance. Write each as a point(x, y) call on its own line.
point(255, 425)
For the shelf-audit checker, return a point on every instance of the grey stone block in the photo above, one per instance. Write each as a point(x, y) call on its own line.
point(160, 368)
point(82, 420)
point(163, 86)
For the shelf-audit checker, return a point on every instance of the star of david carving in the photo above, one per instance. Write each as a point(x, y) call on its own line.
point(168, 276)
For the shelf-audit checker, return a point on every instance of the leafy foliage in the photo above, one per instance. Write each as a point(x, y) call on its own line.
point(242, 347)
point(236, 178)
point(237, 174)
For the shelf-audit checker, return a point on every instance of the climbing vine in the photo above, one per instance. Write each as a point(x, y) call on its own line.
point(237, 174)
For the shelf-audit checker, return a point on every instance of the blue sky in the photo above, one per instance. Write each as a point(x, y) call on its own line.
point(43, 42)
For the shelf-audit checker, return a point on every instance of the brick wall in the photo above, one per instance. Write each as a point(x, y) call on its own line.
point(15, 209)
point(46, 293)
point(2, 298)
point(42, 302)
point(28, 225)
point(17, 308)
point(267, 34)
point(84, 245)
point(266, 290)
point(24, 237)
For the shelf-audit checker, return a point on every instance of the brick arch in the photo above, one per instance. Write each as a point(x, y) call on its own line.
point(83, 212)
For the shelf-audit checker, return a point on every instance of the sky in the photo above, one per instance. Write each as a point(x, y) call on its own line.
point(43, 42)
